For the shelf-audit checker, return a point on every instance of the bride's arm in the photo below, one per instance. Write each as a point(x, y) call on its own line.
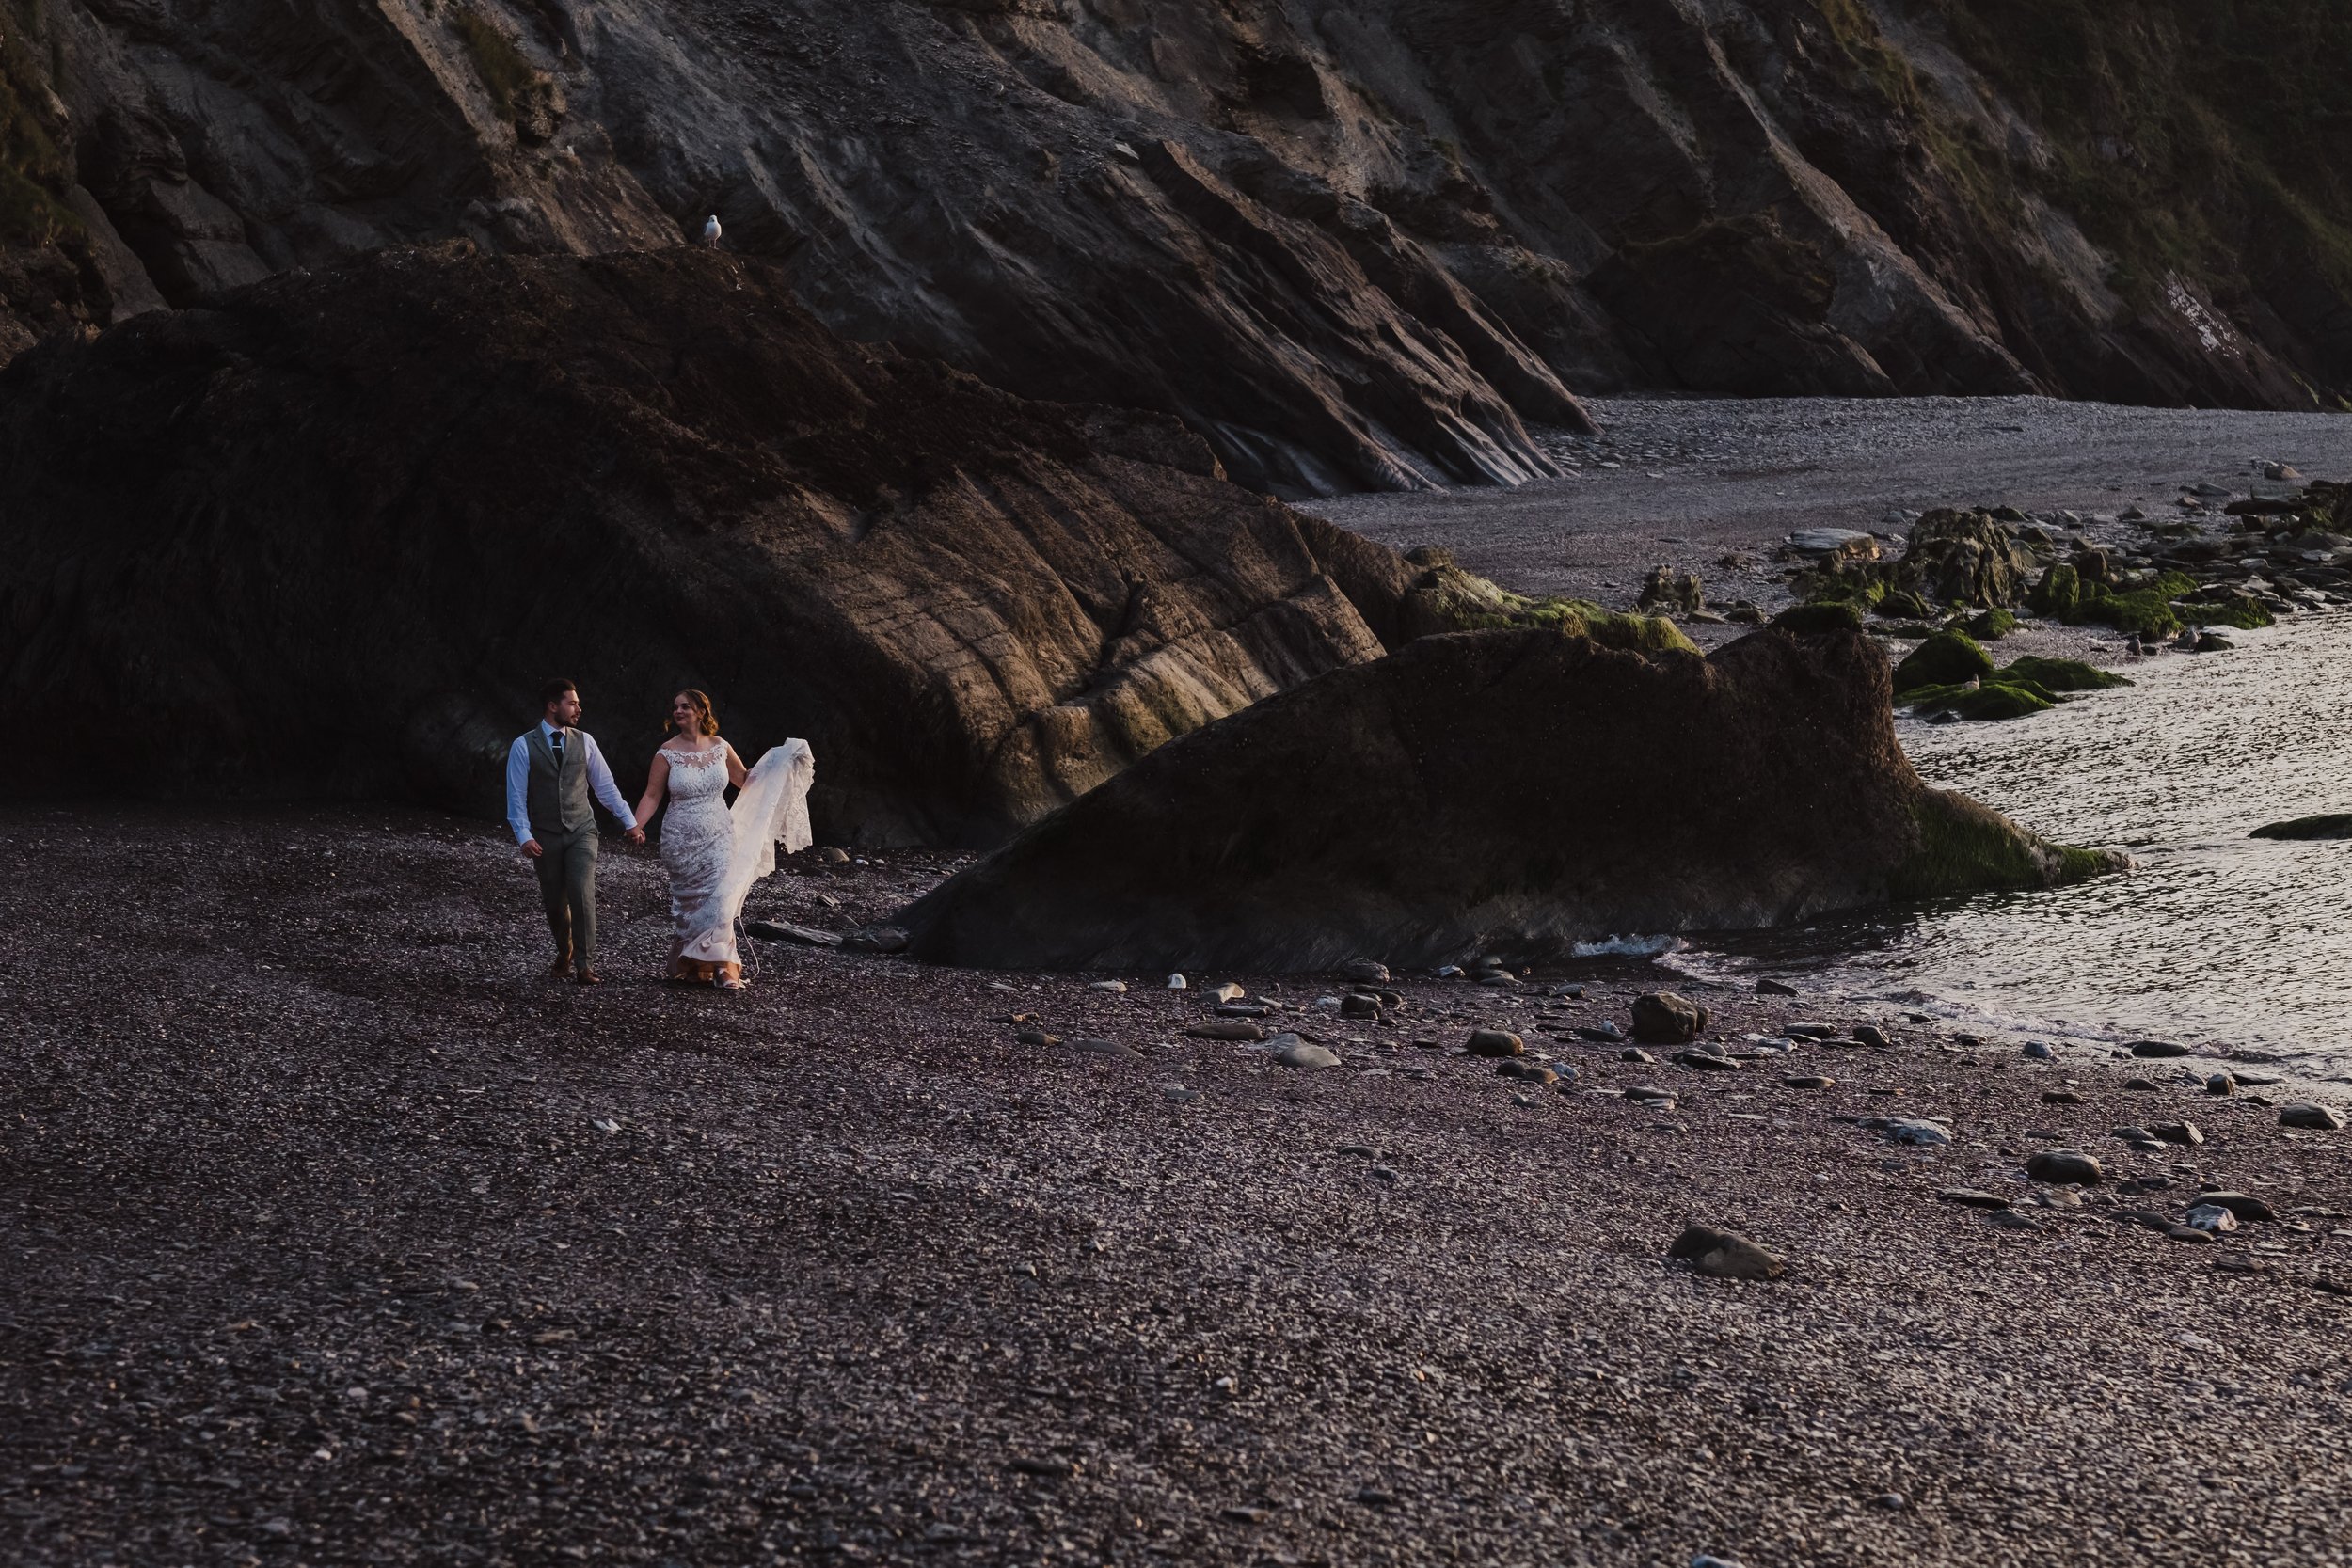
point(657, 785)
point(737, 773)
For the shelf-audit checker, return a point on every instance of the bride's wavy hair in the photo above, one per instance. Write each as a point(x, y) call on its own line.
point(706, 717)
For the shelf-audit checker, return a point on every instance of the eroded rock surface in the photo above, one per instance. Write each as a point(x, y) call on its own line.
point(327, 534)
point(1515, 791)
point(1354, 242)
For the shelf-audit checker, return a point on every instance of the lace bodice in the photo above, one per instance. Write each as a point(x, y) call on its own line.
point(694, 774)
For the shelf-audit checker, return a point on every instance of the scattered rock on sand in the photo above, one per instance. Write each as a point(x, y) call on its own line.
point(2183, 1133)
point(1227, 993)
point(2060, 1096)
point(1635, 1053)
point(1806, 1080)
point(1364, 971)
point(2142, 1086)
point(1037, 1037)
point(2317, 1118)
point(1289, 1051)
point(2039, 1051)
point(1663, 1017)
point(2157, 1049)
point(2221, 1083)
point(2010, 1219)
point(2240, 1204)
point(1496, 1042)
point(1108, 1048)
point(1869, 1034)
point(2211, 1217)
point(1707, 1061)
point(1725, 1255)
point(1227, 1029)
point(1922, 1135)
point(2064, 1165)
point(1973, 1197)
point(1114, 987)
point(1775, 988)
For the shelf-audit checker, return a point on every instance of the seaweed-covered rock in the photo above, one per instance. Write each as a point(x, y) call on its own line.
point(2058, 595)
point(2059, 675)
point(1514, 790)
point(1815, 619)
point(1903, 605)
point(1990, 625)
point(2224, 607)
point(1990, 699)
point(1946, 658)
point(1965, 558)
point(1445, 598)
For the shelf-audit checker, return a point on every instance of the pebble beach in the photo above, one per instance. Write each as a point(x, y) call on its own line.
point(336, 1235)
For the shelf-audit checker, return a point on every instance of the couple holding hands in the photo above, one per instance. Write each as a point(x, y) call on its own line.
point(713, 852)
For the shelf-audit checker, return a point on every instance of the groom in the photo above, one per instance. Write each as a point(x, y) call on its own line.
point(550, 772)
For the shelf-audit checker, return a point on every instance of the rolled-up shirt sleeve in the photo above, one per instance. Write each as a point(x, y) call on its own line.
point(518, 777)
point(600, 780)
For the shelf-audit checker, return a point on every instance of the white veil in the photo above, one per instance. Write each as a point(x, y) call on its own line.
point(773, 805)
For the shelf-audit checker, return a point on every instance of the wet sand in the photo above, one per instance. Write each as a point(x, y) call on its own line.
point(335, 1235)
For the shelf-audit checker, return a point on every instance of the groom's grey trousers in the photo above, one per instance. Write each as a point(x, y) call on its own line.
point(567, 886)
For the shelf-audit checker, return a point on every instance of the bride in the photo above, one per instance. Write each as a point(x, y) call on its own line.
point(714, 853)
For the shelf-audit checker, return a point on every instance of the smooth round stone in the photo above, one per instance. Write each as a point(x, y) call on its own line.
point(2064, 1166)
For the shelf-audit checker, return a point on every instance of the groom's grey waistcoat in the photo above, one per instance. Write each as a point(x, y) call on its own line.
point(556, 795)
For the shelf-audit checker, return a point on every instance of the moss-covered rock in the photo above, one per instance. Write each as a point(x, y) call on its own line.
point(1946, 658)
point(1903, 606)
point(1990, 625)
point(2059, 675)
point(1990, 700)
point(1966, 847)
point(1807, 620)
point(1447, 598)
point(2059, 594)
point(1972, 559)
point(2225, 608)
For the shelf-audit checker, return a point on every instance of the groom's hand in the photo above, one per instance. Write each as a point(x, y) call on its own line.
point(530, 847)
point(635, 835)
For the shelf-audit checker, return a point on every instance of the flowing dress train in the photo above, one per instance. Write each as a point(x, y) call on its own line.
point(714, 852)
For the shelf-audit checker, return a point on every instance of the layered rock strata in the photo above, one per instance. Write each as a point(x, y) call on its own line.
point(326, 536)
point(1352, 242)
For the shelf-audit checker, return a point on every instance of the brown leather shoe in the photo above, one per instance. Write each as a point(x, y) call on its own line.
point(588, 976)
point(560, 969)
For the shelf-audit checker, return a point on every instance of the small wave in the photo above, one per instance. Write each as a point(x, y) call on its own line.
point(1628, 947)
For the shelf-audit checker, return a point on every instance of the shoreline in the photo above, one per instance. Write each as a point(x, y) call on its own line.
point(854, 1276)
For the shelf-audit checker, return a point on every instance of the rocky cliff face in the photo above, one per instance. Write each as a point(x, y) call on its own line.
point(326, 535)
point(1353, 243)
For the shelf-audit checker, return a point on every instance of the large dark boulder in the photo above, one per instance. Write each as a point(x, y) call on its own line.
point(326, 534)
point(1514, 791)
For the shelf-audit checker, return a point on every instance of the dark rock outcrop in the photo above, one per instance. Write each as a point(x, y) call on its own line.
point(1512, 791)
point(1353, 243)
point(327, 534)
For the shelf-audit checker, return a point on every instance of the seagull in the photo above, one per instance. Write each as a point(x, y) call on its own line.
point(710, 232)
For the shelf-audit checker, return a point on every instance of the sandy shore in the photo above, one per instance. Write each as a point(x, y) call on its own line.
point(334, 1236)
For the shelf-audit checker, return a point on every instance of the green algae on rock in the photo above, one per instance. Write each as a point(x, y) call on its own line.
point(1990, 699)
point(1967, 848)
point(1446, 598)
point(1947, 659)
point(2059, 675)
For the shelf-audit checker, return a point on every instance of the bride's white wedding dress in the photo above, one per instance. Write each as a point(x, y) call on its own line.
point(715, 852)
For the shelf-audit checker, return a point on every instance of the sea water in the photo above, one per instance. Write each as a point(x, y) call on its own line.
point(2214, 940)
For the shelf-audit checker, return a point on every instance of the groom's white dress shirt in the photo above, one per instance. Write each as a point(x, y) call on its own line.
point(518, 781)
